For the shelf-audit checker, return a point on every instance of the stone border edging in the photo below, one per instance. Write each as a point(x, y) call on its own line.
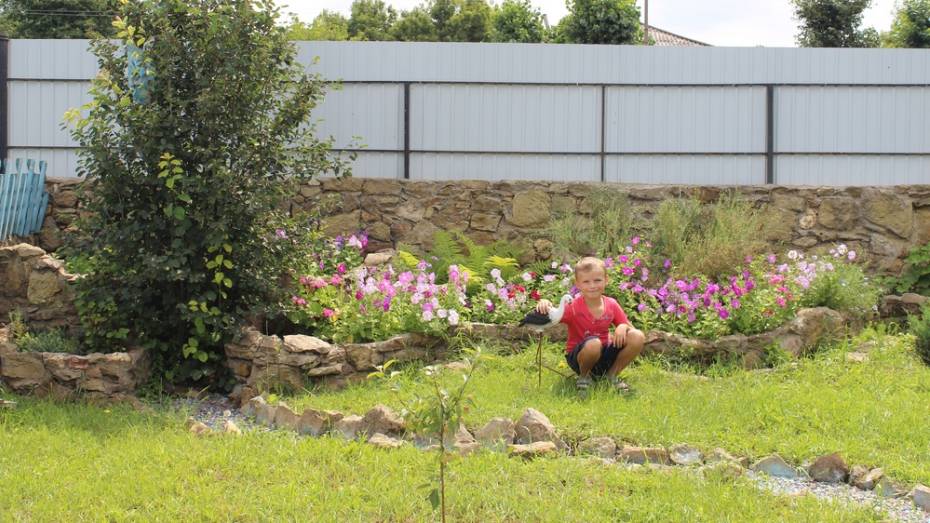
point(261, 361)
point(534, 436)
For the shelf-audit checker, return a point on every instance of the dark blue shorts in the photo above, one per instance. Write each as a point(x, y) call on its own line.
point(608, 356)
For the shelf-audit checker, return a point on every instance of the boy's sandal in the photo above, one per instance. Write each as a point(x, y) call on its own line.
point(583, 383)
point(619, 385)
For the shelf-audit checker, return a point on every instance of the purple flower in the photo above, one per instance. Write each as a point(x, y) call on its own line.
point(341, 268)
point(771, 259)
point(627, 271)
point(280, 233)
point(851, 255)
point(641, 307)
point(489, 305)
point(635, 240)
point(666, 264)
point(723, 313)
point(386, 304)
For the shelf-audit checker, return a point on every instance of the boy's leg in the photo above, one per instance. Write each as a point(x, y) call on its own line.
point(588, 356)
point(635, 339)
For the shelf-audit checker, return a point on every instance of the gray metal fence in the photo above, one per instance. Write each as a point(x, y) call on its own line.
point(432, 111)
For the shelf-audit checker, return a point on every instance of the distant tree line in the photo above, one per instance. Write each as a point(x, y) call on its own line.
point(821, 23)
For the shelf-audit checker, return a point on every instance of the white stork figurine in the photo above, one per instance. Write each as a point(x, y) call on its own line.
point(539, 322)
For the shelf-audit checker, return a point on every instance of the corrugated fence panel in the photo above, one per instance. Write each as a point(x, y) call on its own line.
point(374, 113)
point(686, 119)
point(378, 165)
point(495, 167)
point(696, 169)
point(852, 170)
point(852, 119)
point(62, 163)
point(37, 110)
point(52, 59)
point(504, 118)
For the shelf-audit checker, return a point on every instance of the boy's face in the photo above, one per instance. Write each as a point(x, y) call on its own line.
point(591, 283)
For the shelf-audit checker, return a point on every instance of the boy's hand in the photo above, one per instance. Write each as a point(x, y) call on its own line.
point(543, 306)
point(618, 336)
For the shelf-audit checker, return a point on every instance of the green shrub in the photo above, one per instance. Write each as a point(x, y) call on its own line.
point(603, 232)
point(916, 276)
point(188, 175)
point(709, 240)
point(54, 340)
point(920, 328)
point(846, 288)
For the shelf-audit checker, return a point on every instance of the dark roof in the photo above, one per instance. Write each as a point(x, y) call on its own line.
point(664, 38)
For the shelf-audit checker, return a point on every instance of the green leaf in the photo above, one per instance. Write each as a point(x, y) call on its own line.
point(434, 498)
point(179, 213)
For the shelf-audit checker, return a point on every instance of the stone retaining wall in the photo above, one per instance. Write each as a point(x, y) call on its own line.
point(880, 222)
point(62, 375)
point(261, 362)
point(36, 285)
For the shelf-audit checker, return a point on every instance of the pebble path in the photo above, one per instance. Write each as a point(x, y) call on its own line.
point(213, 410)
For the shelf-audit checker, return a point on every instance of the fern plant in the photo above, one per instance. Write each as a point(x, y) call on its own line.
point(916, 277)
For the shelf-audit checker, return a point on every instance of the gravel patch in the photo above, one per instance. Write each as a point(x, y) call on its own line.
point(214, 409)
point(900, 509)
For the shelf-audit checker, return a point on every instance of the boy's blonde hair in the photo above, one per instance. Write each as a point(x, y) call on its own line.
point(589, 263)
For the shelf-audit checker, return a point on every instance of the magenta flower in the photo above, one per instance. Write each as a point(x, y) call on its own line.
point(386, 304)
point(341, 268)
point(280, 233)
point(328, 313)
point(723, 313)
point(641, 307)
point(666, 264)
point(297, 300)
point(635, 240)
point(336, 280)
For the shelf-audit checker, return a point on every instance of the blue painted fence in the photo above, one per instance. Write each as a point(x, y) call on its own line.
point(23, 198)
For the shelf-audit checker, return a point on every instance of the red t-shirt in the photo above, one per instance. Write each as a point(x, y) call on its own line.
point(582, 324)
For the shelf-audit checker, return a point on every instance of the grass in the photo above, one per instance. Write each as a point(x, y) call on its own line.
point(73, 462)
point(873, 413)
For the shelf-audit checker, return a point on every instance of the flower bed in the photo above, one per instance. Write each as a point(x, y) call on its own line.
point(406, 295)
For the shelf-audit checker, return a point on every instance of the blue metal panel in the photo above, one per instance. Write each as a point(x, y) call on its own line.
point(23, 199)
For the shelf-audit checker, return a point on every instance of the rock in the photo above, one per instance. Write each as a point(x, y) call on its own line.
point(43, 285)
point(484, 222)
point(384, 442)
point(603, 447)
point(341, 224)
point(464, 442)
point(856, 357)
point(685, 455)
point(643, 455)
point(774, 465)
point(230, 427)
point(829, 469)
point(920, 495)
point(199, 429)
point(384, 420)
point(530, 209)
point(350, 426)
point(250, 407)
point(497, 433)
point(856, 473)
point(868, 480)
point(533, 450)
point(719, 455)
point(379, 258)
point(838, 213)
point(23, 371)
point(534, 426)
point(887, 488)
point(285, 418)
point(312, 423)
point(299, 343)
point(264, 414)
point(884, 208)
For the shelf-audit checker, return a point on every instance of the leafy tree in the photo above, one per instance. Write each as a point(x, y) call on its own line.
point(56, 18)
point(415, 25)
point(327, 25)
point(601, 22)
point(371, 20)
point(518, 21)
point(833, 23)
point(911, 26)
point(461, 20)
point(187, 176)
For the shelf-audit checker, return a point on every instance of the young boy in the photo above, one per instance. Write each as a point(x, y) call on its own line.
point(601, 340)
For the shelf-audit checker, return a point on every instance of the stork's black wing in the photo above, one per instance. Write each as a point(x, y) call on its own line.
point(535, 318)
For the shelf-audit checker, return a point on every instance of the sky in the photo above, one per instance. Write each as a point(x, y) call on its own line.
point(732, 23)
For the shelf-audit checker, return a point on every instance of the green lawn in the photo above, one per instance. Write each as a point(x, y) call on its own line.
point(83, 463)
point(873, 413)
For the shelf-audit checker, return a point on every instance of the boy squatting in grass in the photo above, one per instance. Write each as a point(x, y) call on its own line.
point(601, 340)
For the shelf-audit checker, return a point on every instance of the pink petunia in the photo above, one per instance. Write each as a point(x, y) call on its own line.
point(328, 313)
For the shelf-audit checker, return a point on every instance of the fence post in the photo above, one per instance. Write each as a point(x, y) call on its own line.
point(769, 134)
point(406, 130)
point(4, 98)
point(603, 133)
